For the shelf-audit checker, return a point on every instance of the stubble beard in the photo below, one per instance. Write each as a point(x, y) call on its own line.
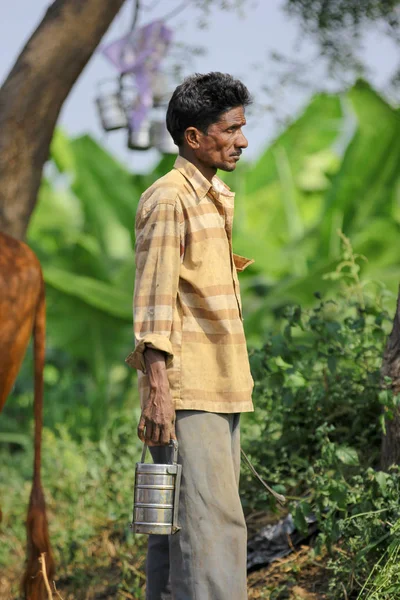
point(227, 167)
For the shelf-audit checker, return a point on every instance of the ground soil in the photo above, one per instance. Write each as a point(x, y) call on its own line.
point(299, 576)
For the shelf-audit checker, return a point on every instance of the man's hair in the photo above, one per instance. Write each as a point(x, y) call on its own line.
point(200, 101)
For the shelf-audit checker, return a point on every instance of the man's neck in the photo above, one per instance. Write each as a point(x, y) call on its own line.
point(207, 171)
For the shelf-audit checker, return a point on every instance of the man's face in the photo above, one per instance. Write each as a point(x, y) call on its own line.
point(222, 146)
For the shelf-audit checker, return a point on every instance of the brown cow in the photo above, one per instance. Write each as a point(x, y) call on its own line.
point(22, 312)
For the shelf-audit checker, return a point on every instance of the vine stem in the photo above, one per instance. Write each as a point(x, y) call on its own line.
point(281, 499)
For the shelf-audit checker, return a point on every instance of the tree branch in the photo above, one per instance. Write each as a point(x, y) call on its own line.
point(33, 94)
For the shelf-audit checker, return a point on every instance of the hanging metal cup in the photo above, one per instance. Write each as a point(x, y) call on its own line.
point(161, 139)
point(139, 139)
point(160, 89)
point(156, 495)
point(111, 108)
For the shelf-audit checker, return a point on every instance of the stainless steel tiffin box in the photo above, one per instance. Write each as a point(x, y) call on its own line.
point(156, 495)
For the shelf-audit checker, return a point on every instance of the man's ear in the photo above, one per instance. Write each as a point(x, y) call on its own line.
point(192, 137)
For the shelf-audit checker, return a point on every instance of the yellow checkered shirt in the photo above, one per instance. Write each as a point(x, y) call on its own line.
point(187, 297)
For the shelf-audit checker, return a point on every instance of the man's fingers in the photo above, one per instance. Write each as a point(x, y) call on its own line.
point(165, 436)
point(155, 437)
point(155, 434)
point(140, 429)
point(149, 433)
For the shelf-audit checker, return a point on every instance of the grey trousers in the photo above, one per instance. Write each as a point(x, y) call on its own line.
point(206, 559)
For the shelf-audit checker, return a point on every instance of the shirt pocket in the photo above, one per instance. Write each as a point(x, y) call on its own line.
point(241, 262)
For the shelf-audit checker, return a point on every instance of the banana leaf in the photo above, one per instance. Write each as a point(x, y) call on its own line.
point(336, 166)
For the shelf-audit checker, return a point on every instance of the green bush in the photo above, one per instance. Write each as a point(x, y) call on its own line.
point(316, 434)
point(89, 495)
point(321, 368)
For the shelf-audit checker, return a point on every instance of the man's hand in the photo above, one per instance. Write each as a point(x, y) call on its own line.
point(157, 422)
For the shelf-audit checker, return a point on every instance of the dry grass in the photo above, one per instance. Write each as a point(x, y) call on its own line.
point(298, 577)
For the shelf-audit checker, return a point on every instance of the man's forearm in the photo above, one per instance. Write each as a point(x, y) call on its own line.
point(156, 368)
point(156, 425)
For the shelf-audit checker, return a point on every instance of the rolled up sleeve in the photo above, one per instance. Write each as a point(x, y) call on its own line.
point(158, 259)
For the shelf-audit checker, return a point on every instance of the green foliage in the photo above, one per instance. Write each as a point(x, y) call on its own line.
point(74, 398)
point(335, 167)
point(316, 433)
point(82, 231)
point(89, 495)
point(321, 367)
point(338, 25)
point(319, 401)
point(319, 175)
point(383, 581)
point(360, 515)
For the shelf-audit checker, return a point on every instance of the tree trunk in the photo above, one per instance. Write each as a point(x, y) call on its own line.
point(33, 94)
point(391, 368)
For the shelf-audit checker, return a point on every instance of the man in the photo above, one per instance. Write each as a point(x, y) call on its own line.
point(194, 375)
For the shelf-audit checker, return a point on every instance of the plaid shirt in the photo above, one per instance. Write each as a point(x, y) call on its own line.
point(187, 297)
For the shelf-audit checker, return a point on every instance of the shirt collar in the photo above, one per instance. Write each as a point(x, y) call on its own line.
point(201, 184)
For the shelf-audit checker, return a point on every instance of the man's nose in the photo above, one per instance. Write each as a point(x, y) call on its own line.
point(241, 141)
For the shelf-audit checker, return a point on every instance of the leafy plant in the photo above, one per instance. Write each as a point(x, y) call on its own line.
point(316, 432)
point(89, 495)
point(317, 426)
point(329, 169)
point(335, 167)
point(321, 368)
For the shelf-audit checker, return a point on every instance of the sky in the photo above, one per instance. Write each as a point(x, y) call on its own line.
point(236, 43)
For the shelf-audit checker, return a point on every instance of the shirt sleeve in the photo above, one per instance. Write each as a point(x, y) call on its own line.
point(158, 259)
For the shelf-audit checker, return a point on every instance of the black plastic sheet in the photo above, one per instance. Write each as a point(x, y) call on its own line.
point(276, 541)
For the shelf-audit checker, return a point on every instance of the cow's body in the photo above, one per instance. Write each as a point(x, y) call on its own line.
point(22, 313)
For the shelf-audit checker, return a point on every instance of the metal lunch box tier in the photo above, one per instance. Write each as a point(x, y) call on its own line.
point(155, 469)
point(145, 495)
point(153, 528)
point(155, 514)
point(155, 479)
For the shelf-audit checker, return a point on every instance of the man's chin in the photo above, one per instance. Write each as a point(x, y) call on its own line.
point(227, 166)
